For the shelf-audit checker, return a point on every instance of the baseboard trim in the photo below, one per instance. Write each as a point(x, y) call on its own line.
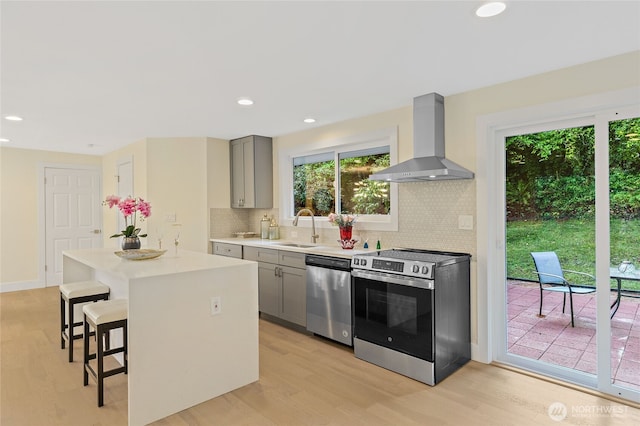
point(20, 285)
point(479, 354)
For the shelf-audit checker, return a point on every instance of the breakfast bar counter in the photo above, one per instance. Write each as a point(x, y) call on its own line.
point(181, 352)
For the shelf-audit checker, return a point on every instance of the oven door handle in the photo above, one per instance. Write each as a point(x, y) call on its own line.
point(393, 279)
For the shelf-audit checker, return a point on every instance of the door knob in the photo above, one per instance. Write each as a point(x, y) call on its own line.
point(96, 231)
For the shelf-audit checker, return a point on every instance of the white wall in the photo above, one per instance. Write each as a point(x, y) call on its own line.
point(177, 185)
point(218, 172)
point(138, 152)
point(19, 213)
point(171, 174)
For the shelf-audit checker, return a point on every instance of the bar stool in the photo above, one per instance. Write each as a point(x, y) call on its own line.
point(73, 294)
point(104, 317)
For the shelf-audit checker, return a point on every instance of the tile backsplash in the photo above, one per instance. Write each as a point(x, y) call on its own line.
point(224, 222)
point(428, 219)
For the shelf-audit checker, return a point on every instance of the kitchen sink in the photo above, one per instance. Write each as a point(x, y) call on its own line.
point(297, 245)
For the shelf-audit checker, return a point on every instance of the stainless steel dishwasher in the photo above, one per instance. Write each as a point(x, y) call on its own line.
point(329, 297)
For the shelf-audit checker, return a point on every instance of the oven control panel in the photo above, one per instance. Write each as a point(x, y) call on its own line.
point(409, 268)
point(387, 265)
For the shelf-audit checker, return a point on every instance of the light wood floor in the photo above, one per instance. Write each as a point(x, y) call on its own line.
point(304, 380)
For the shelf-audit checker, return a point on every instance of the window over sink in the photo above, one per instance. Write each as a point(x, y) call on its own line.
point(333, 176)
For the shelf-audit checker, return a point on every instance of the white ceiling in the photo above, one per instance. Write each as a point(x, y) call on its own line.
point(91, 77)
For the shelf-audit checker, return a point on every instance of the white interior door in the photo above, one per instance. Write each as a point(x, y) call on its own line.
point(73, 215)
point(125, 187)
point(125, 177)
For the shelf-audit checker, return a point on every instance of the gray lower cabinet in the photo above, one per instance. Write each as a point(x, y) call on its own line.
point(268, 289)
point(226, 249)
point(282, 283)
point(294, 295)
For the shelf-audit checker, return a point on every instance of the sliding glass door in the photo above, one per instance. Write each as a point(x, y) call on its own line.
point(622, 130)
point(569, 305)
point(550, 247)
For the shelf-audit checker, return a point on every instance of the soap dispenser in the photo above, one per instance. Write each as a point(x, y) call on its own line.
point(264, 227)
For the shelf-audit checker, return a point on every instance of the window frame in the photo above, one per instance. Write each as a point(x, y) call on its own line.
point(374, 139)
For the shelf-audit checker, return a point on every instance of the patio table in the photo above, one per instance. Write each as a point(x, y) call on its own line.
point(616, 274)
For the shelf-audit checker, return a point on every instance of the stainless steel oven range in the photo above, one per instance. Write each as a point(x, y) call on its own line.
point(411, 311)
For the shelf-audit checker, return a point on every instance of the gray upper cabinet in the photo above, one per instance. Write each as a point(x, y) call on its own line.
point(252, 172)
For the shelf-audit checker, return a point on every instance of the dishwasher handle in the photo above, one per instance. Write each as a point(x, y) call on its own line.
point(327, 262)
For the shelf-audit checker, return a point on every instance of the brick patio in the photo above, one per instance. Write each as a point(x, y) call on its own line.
point(553, 340)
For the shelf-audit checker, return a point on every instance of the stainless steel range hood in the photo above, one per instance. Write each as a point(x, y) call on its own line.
point(428, 163)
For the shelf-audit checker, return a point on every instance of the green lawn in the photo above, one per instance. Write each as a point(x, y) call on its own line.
point(573, 241)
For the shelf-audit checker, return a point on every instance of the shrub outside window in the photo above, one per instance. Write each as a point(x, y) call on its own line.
point(322, 186)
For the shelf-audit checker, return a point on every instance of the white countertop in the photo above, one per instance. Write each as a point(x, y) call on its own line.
point(322, 249)
point(169, 263)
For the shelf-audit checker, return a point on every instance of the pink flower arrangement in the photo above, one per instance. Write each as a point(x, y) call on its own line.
point(343, 221)
point(128, 207)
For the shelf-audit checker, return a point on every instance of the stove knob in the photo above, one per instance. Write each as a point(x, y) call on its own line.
point(415, 269)
point(356, 261)
point(425, 270)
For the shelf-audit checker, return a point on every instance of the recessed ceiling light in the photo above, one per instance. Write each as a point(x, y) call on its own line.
point(309, 120)
point(488, 10)
point(4, 140)
point(245, 101)
point(12, 118)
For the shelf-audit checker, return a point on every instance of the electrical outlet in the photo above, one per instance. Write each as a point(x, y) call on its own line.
point(465, 222)
point(216, 305)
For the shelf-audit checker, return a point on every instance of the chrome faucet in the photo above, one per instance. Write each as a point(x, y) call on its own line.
point(314, 236)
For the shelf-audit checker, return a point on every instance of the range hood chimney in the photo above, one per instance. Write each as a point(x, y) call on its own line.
point(428, 163)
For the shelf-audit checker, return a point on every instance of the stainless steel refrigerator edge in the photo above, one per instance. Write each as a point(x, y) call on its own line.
point(329, 298)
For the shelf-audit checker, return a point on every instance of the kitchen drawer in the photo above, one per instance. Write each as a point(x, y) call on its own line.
point(290, 258)
point(261, 254)
point(229, 250)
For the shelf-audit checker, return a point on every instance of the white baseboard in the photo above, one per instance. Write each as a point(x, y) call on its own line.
point(20, 285)
point(479, 355)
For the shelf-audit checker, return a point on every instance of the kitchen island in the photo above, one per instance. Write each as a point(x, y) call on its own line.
point(181, 353)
